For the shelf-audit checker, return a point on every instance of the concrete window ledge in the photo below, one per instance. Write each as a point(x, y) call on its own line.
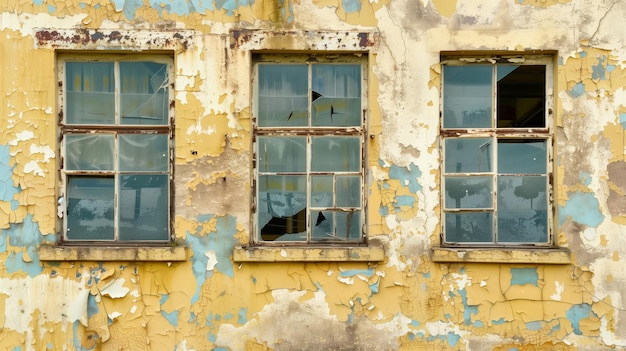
point(502, 255)
point(374, 252)
point(112, 253)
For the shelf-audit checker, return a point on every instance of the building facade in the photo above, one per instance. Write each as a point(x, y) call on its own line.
point(312, 175)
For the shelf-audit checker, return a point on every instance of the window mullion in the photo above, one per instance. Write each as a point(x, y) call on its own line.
point(116, 153)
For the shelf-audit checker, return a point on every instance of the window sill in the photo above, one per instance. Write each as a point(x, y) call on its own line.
point(501, 255)
point(112, 253)
point(374, 252)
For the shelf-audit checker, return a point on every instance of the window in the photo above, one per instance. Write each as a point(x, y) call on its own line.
point(496, 145)
point(309, 149)
point(115, 121)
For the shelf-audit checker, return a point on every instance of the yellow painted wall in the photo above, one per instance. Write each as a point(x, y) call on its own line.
point(406, 301)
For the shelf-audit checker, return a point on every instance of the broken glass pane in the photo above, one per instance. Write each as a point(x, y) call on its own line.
point(336, 225)
point(467, 96)
point(283, 95)
point(89, 152)
point(468, 155)
point(522, 156)
point(522, 209)
point(144, 93)
point(90, 211)
point(336, 95)
point(469, 192)
point(521, 96)
point(281, 154)
point(89, 97)
point(144, 206)
point(336, 154)
point(282, 211)
point(469, 227)
point(143, 152)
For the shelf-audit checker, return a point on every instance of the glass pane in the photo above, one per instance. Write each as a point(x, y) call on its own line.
point(322, 191)
point(522, 209)
point(283, 95)
point(469, 192)
point(90, 208)
point(522, 156)
point(144, 207)
point(469, 227)
point(468, 155)
point(348, 191)
point(347, 226)
point(521, 96)
point(90, 97)
point(467, 96)
point(144, 93)
point(89, 152)
point(281, 154)
point(336, 95)
point(282, 208)
point(143, 152)
point(336, 154)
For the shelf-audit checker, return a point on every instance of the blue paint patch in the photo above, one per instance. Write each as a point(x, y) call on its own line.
point(404, 200)
point(478, 324)
point(583, 54)
point(366, 272)
point(51, 8)
point(17, 348)
point(209, 320)
point(228, 316)
point(171, 317)
point(407, 177)
point(523, 276)
point(25, 234)
point(242, 316)
point(15, 263)
point(498, 322)
point(7, 189)
point(192, 318)
point(351, 5)
point(582, 208)
point(383, 211)
point(415, 323)
point(536, 325)
point(578, 312)
point(129, 7)
point(37, 2)
point(513, 349)
point(453, 339)
point(468, 310)
point(374, 288)
point(597, 71)
point(212, 338)
point(92, 306)
point(622, 120)
point(221, 242)
point(578, 90)
point(585, 178)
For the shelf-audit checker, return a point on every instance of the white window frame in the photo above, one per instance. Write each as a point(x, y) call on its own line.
point(115, 129)
point(494, 134)
point(309, 132)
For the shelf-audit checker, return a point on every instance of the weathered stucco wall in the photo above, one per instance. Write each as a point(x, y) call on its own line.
point(406, 302)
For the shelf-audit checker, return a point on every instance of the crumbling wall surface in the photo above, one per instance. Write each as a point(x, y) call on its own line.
point(407, 301)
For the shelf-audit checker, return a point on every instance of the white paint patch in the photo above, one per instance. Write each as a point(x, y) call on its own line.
point(559, 287)
point(210, 265)
point(22, 136)
point(33, 167)
point(183, 347)
point(47, 152)
point(65, 302)
point(114, 315)
point(115, 289)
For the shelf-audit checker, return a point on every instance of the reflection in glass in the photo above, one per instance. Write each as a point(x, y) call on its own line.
point(467, 155)
point(469, 227)
point(144, 93)
point(281, 154)
point(522, 209)
point(87, 152)
point(521, 96)
point(90, 208)
point(336, 95)
point(467, 96)
point(283, 95)
point(348, 191)
point(322, 191)
point(282, 208)
point(143, 207)
point(468, 192)
point(522, 156)
point(90, 97)
point(143, 152)
point(336, 154)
